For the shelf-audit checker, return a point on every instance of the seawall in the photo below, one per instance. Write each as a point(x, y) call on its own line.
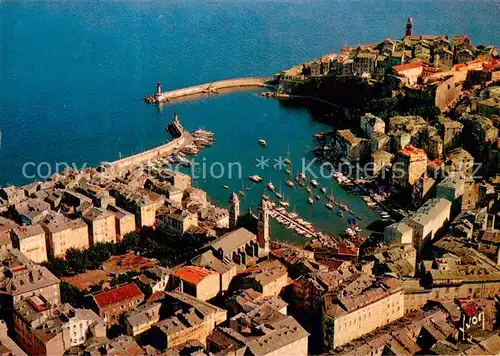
point(182, 139)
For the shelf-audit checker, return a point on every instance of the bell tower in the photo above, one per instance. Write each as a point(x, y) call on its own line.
point(409, 27)
point(263, 226)
point(234, 211)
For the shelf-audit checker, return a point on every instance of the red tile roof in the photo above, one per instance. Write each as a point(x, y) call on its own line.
point(118, 295)
point(408, 66)
point(470, 308)
point(410, 150)
point(193, 274)
point(492, 65)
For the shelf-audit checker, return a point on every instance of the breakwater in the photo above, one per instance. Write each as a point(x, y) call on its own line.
point(209, 88)
point(181, 140)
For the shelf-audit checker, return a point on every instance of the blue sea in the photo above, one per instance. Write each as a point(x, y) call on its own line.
point(73, 75)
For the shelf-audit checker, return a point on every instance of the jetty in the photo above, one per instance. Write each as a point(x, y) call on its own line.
point(208, 88)
point(183, 140)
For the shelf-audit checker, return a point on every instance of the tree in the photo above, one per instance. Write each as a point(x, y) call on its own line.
point(72, 295)
point(58, 266)
point(130, 241)
point(77, 260)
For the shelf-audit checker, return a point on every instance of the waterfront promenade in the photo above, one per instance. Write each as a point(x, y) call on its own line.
point(210, 88)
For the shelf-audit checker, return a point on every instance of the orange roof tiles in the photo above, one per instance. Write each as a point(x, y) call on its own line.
point(410, 150)
point(118, 295)
point(492, 65)
point(193, 274)
point(408, 66)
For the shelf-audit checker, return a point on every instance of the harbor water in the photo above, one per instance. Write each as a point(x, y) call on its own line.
point(74, 75)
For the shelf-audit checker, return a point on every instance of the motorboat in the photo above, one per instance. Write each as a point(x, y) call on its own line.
point(289, 183)
point(265, 196)
point(329, 206)
point(285, 204)
point(323, 190)
point(350, 231)
point(314, 183)
point(242, 193)
point(270, 186)
point(302, 175)
point(340, 213)
point(278, 195)
point(309, 190)
point(226, 187)
point(317, 197)
point(255, 178)
point(263, 143)
point(310, 200)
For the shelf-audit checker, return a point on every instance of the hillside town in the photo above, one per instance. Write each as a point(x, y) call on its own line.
point(142, 262)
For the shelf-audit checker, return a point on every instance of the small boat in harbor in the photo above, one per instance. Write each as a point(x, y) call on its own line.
point(270, 186)
point(287, 171)
point(242, 193)
point(226, 187)
point(309, 190)
point(280, 194)
point(287, 158)
point(263, 143)
point(314, 183)
point(302, 176)
point(247, 189)
point(329, 206)
point(323, 190)
point(255, 178)
point(310, 200)
point(350, 231)
point(317, 197)
point(289, 183)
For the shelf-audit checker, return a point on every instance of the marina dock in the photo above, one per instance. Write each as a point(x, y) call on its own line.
point(294, 223)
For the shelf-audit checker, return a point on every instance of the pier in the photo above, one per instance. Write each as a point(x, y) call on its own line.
point(293, 223)
point(208, 88)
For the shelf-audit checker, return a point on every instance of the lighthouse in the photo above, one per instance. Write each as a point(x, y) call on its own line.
point(158, 88)
point(409, 27)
